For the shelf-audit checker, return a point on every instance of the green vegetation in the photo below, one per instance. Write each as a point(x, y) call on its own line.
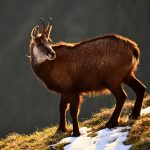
point(139, 135)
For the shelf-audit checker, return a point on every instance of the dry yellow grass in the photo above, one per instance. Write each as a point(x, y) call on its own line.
point(139, 135)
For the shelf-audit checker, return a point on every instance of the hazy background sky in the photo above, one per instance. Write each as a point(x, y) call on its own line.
point(25, 105)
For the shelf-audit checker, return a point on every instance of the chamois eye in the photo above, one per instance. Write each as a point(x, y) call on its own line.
point(39, 42)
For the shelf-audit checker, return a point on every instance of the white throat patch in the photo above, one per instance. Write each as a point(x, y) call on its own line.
point(39, 56)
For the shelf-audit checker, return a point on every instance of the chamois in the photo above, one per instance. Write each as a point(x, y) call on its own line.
point(93, 66)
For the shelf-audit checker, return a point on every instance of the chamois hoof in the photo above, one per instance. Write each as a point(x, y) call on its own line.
point(76, 134)
point(111, 124)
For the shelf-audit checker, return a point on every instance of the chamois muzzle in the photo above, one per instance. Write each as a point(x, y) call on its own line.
point(51, 55)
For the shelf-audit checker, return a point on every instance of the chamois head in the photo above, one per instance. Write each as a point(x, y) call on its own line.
point(41, 42)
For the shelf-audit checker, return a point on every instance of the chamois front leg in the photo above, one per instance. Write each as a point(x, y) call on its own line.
point(62, 109)
point(74, 110)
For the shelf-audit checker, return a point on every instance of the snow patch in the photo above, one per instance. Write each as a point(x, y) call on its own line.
point(145, 111)
point(106, 139)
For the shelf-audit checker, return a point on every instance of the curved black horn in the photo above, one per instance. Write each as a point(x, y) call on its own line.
point(43, 25)
point(49, 27)
point(50, 20)
point(49, 23)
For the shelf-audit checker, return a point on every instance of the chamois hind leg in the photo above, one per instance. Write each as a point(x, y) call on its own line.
point(120, 96)
point(62, 109)
point(139, 89)
point(74, 110)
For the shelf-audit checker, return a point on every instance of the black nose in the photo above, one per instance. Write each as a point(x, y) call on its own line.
point(52, 54)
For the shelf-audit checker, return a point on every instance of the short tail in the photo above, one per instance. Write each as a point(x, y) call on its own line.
point(136, 53)
point(135, 49)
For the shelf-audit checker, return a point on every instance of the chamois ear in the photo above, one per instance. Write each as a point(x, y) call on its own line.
point(35, 32)
point(48, 29)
